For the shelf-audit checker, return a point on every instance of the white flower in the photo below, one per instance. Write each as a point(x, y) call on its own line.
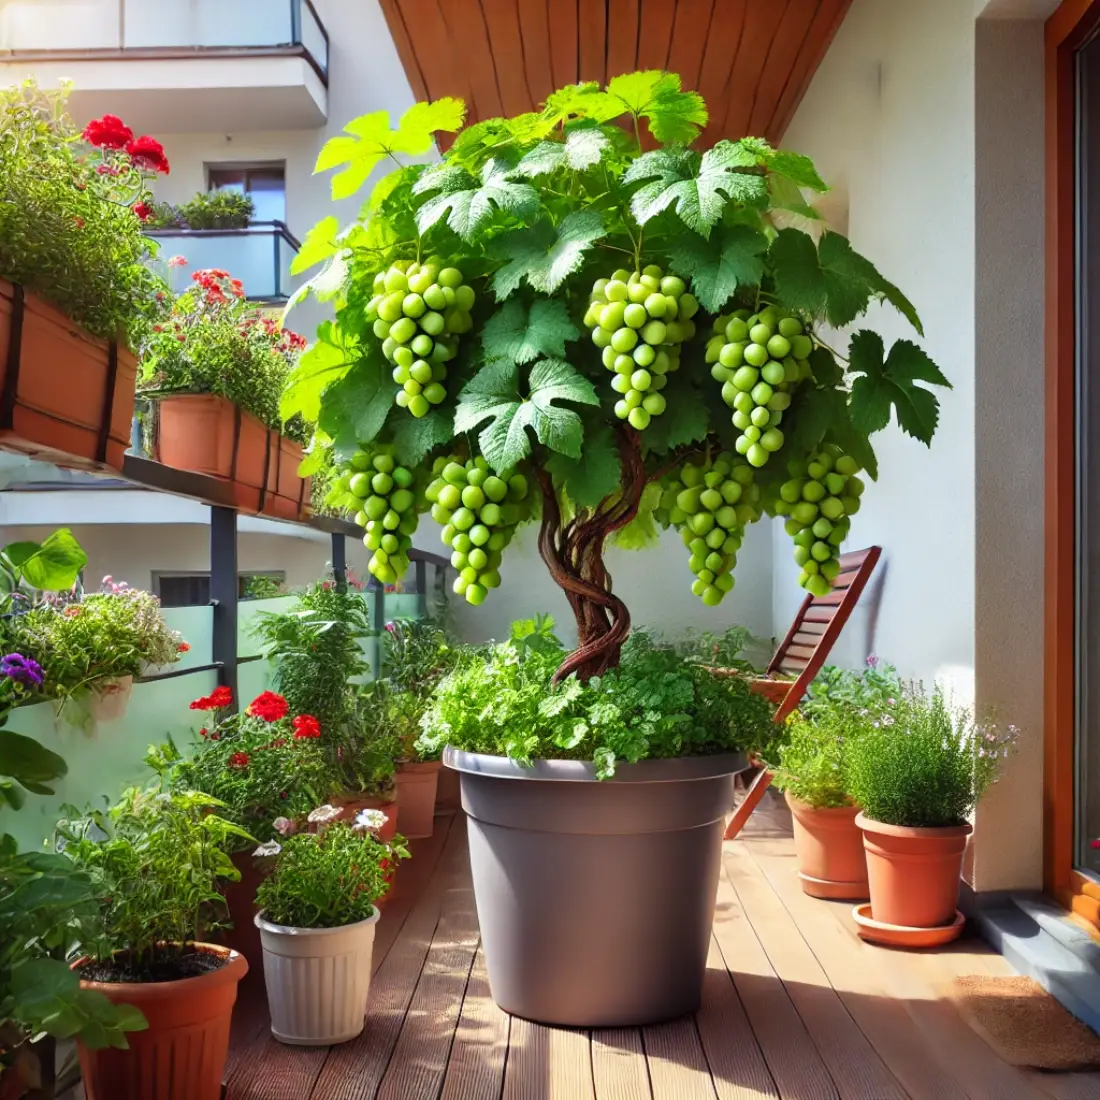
point(369, 821)
point(284, 826)
point(323, 814)
point(271, 848)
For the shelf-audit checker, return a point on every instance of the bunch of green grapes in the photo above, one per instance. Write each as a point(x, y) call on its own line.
point(479, 511)
point(418, 311)
point(385, 503)
point(819, 501)
point(759, 358)
point(639, 320)
point(711, 504)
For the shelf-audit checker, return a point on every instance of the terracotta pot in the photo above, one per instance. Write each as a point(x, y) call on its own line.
point(182, 1054)
point(65, 397)
point(913, 873)
point(210, 435)
point(831, 863)
point(287, 494)
point(240, 899)
point(448, 791)
point(417, 784)
point(109, 699)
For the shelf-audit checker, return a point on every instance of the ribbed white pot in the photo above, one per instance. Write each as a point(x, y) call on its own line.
point(317, 980)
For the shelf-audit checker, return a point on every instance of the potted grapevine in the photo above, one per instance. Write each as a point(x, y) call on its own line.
point(317, 916)
point(552, 322)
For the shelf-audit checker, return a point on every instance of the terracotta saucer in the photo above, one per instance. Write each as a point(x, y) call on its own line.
point(837, 891)
point(897, 935)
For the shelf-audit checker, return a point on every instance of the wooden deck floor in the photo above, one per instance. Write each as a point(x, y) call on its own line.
point(796, 1007)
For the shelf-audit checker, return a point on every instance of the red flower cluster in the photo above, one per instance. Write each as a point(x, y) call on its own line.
point(108, 132)
point(268, 706)
point(183, 647)
point(148, 153)
point(220, 697)
point(283, 339)
point(239, 760)
point(215, 282)
point(305, 727)
point(142, 210)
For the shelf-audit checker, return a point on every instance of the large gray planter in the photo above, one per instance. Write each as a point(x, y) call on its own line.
point(596, 898)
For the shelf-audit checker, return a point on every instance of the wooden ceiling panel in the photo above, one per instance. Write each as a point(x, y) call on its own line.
point(752, 60)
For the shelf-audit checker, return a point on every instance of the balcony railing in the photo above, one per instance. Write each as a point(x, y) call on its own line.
point(53, 29)
point(259, 255)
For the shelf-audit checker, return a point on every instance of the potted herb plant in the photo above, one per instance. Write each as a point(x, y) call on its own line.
point(156, 860)
point(516, 329)
point(219, 209)
point(215, 368)
point(317, 916)
point(76, 298)
point(918, 772)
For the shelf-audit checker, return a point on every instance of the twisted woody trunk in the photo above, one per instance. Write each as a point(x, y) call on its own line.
point(573, 553)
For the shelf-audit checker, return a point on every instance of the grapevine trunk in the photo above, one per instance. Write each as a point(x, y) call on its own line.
point(573, 553)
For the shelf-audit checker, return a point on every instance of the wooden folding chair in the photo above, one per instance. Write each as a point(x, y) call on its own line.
point(802, 653)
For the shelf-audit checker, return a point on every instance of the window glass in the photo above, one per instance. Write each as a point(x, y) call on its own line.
point(266, 185)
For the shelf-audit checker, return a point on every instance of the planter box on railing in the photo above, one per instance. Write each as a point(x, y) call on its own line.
point(65, 396)
point(210, 435)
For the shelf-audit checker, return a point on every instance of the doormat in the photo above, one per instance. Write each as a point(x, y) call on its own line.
point(1024, 1024)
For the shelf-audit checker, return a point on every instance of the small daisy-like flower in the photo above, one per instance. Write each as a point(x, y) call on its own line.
point(271, 848)
point(369, 821)
point(323, 814)
point(284, 826)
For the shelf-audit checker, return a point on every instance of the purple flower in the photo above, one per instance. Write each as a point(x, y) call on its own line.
point(391, 628)
point(23, 670)
point(872, 661)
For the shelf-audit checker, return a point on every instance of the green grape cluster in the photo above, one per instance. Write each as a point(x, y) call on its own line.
point(711, 504)
point(385, 502)
point(479, 511)
point(639, 320)
point(759, 358)
point(418, 312)
point(819, 501)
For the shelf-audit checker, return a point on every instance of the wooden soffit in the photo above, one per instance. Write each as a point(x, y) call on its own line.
point(751, 60)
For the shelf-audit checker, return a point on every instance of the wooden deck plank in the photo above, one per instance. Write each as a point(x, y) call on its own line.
point(677, 1066)
point(354, 1070)
point(475, 1070)
point(1067, 1086)
point(547, 1062)
point(852, 1061)
point(736, 1062)
point(619, 1070)
point(795, 1065)
point(853, 969)
point(270, 1070)
point(419, 1060)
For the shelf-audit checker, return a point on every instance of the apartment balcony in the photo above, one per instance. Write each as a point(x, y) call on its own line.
point(168, 67)
point(259, 255)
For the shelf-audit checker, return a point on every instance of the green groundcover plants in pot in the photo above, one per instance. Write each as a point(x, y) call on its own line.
point(318, 902)
point(918, 772)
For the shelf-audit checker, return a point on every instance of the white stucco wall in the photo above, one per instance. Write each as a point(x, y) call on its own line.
point(889, 120)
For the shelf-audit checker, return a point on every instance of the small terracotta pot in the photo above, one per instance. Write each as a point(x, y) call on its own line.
point(831, 862)
point(913, 873)
point(66, 397)
point(109, 699)
point(448, 794)
point(287, 494)
point(182, 1054)
point(240, 900)
point(417, 784)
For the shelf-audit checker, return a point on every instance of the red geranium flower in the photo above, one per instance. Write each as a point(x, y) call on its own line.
point(221, 697)
point(203, 732)
point(148, 153)
point(306, 726)
point(183, 647)
point(108, 132)
point(143, 211)
point(268, 706)
point(177, 261)
point(239, 760)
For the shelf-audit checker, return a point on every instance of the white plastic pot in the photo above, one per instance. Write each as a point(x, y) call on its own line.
point(317, 980)
point(108, 699)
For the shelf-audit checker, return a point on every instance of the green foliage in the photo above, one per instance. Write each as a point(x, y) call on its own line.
point(874, 688)
point(155, 861)
point(67, 231)
point(725, 650)
point(326, 879)
point(923, 762)
point(54, 565)
point(654, 705)
point(811, 764)
point(220, 209)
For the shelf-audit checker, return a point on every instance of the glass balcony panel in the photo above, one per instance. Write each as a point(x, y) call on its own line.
point(60, 25)
point(208, 23)
point(313, 35)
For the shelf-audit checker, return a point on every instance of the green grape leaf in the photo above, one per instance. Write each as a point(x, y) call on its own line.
point(469, 205)
point(493, 394)
point(594, 475)
point(813, 412)
point(320, 244)
point(581, 100)
point(371, 139)
point(641, 532)
point(799, 281)
point(52, 565)
point(322, 363)
point(732, 257)
point(544, 255)
point(314, 459)
point(415, 437)
point(893, 385)
point(354, 408)
point(674, 117)
point(520, 333)
point(583, 148)
point(786, 196)
point(686, 418)
point(827, 371)
point(697, 188)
